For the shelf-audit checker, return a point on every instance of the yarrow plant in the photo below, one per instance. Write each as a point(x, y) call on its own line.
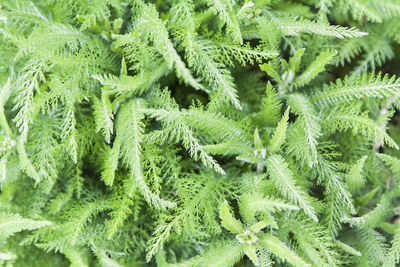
point(199, 133)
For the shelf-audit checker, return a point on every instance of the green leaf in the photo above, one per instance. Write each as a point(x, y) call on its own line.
point(111, 162)
point(316, 67)
point(280, 133)
point(308, 122)
point(363, 200)
point(13, 223)
point(358, 87)
point(355, 178)
point(295, 60)
point(103, 116)
point(294, 26)
point(278, 248)
point(250, 204)
point(131, 129)
point(228, 221)
point(251, 252)
point(78, 258)
point(392, 162)
point(224, 255)
point(282, 177)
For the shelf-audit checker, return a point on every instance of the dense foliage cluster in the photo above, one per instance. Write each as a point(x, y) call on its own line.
point(199, 133)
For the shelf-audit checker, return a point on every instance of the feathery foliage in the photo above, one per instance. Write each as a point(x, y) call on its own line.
point(199, 133)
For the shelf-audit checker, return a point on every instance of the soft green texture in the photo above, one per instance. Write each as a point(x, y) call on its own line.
point(199, 133)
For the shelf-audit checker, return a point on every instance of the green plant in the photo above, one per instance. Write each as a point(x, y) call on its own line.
point(199, 133)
